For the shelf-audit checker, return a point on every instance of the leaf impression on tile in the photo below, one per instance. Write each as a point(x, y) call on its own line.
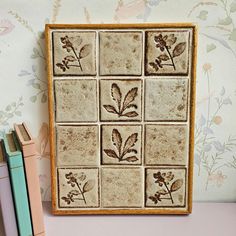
point(71, 45)
point(123, 150)
point(167, 184)
point(121, 107)
point(165, 44)
point(80, 187)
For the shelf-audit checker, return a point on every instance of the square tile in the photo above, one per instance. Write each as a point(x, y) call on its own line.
point(113, 60)
point(167, 52)
point(121, 100)
point(74, 53)
point(77, 145)
point(122, 187)
point(166, 99)
point(121, 144)
point(165, 187)
point(166, 144)
point(78, 187)
point(76, 100)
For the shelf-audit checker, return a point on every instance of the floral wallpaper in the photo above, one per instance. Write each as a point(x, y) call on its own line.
point(23, 82)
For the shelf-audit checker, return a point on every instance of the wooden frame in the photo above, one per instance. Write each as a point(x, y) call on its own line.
point(146, 26)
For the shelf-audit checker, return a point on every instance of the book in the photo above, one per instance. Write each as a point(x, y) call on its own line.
point(28, 148)
point(18, 183)
point(7, 204)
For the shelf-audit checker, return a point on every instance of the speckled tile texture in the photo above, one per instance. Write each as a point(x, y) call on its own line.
point(122, 116)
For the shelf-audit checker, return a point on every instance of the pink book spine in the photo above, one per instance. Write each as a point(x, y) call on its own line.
point(7, 205)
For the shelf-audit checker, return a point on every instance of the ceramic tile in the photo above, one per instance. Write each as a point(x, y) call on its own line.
point(121, 144)
point(166, 99)
point(121, 100)
point(167, 52)
point(76, 100)
point(113, 60)
point(77, 145)
point(165, 187)
point(122, 187)
point(74, 53)
point(166, 144)
point(78, 187)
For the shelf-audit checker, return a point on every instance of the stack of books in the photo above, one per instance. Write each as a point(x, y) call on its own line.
point(20, 198)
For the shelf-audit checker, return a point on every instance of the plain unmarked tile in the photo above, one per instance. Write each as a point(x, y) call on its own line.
point(122, 187)
point(74, 53)
point(165, 187)
point(78, 145)
point(167, 52)
point(76, 100)
point(121, 144)
point(121, 100)
point(166, 144)
point(78, 187)
point(120, 53)
point(166, 99)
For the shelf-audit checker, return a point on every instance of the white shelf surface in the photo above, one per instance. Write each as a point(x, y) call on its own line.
point(207, 219)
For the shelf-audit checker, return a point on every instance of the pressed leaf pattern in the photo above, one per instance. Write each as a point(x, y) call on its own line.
point(77, 181)
point(164, 180)
point(71, 45)
point(164, 44)
point(123, 150)
point(121, 107)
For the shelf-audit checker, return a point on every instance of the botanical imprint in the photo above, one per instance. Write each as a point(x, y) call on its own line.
point(165, 44)
point(122, 106)
point(73, 45)
point(123, 152)
point(167, 184)
point(80, 186)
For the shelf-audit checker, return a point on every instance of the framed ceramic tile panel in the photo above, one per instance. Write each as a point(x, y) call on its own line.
point(121, 106)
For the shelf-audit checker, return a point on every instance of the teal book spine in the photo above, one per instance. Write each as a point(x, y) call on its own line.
point(18, 183)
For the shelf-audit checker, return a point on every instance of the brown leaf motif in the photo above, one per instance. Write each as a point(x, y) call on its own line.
point(123, 150)
point(72, 45)
point(164, 180)
point(165, 44)
point(121, 107)
point(80, 187)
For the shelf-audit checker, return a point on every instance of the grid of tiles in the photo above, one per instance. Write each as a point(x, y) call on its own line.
point(121, 117)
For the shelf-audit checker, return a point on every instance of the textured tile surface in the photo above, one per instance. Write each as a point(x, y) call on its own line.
point(165, 187)
point(78, 187)
point(166, 99)
point(78, 145)
point(167, 52)
point(166, 144)
point(76, 100)
point(121, 144)
point(74, 53)
point(113, 60)
point(122, 187)
point(121, 100)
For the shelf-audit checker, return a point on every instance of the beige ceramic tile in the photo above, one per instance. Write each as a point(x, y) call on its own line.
point(120, 53)
point(121, 144)
point(166, 144)
point(78, 187)
point(167, 52)
point(165, 187)
point(74, 53)
point(166, 99)
point(122, 187)
point(121, 100)
point(76, 100)
point(77, 145)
